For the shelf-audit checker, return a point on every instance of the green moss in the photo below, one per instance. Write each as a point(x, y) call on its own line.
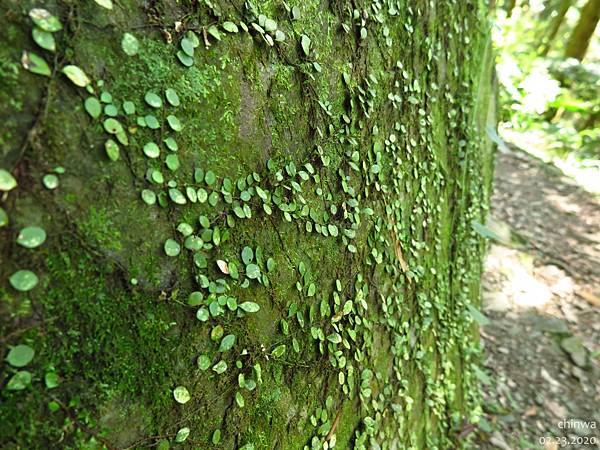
point(99, 227)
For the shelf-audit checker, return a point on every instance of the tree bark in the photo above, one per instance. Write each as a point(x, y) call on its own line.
point(510, 6)
point(579, 40)
point(555, 26)
point(280, 256)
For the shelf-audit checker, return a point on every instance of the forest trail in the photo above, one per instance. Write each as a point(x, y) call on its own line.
point(541, 294)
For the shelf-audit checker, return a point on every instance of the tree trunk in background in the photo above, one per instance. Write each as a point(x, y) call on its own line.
point(583, 31)
point(288, 240)
point(510, 6)
point(555, 26)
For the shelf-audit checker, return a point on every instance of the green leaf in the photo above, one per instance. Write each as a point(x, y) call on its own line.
point(130, 44)
point(171, 144)
point(20, 355)
point(148, 196)
point(227, 342)
point(210, 178)
point(111, 110)
point(177, 196)
point(334, 338)
point(202, 314)
point(153, 99)
point(216, 437)
point(184, 432)
point(76, 75)
point(220, 367)
point(305, 43)
point(51, 380)
point(484, 231)
point(279, 351)
point(217, 333)
point(128, 107)
point(232, 303)
point(7, 181)
point(252, 271)
point(157, 177)
point(239, 399)
point(172, 97)
point(106, 97)
point(3, 218)
point(46, 21)
point(193, 37)
point(35, 64)
point(181, 394)
point(172, 162)
point(250, 307)
point(93, 107)
point(112, 126)
point(152, 122)
point(185, 228)
point(105, 3)
point(174, 123)
point(50, 181)
point(151, 150)
point(193, 243)
point(270, 25)
point(19, 381)
point(188, 47)
point(44, 39)
point(185, 59)
point(216, 236)
point(172, 247)
point(203, 362)
point(195, 298)
point(347, 307)
point(23, 280)
point(233, 270)
point(478, 316)
point(214, 32)
point(247, 255)
point(31, 237)
point(295, 13)
point(230, 27)
point(112, 150)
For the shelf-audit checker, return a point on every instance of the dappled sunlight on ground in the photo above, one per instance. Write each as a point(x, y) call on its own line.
point(541, 293)
point(514, 282)
point(542, 145)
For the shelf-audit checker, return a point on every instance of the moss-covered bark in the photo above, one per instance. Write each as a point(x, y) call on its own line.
point(352, 167)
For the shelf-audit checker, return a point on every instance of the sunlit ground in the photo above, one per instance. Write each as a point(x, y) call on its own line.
point(543, 145)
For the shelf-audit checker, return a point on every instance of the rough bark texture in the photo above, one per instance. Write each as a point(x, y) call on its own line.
point(580, 38)
point(353, 168)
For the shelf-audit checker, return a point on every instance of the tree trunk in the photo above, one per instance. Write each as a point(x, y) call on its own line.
point(288, 240)
point(583, 31)
point(555, 26)
point(510, 6)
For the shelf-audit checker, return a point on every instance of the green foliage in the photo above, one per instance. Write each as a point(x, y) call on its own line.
point(540, 91)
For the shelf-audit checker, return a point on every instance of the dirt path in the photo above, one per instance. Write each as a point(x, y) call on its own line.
point(542, 297)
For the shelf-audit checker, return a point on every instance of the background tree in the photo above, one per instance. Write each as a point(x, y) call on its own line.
point(581, 36)
point(555, 24)
point(242, 225)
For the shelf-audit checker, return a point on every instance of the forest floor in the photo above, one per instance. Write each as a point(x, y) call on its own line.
point(541, 294)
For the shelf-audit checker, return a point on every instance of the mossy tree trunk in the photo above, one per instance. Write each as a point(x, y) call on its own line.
point(580, 38)
point(314, 182)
